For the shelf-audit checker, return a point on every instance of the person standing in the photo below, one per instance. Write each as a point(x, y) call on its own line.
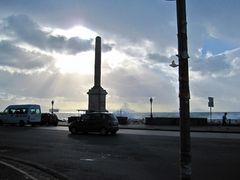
point(224, 119)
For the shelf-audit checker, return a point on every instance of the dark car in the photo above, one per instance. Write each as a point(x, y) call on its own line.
point(49, 119)
point(73, 118)
point(95, 122)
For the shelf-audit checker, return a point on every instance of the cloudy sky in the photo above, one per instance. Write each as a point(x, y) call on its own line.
point(47, 53)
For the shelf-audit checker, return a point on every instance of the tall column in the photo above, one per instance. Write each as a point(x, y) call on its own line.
point(97, 95)
point(97, 75)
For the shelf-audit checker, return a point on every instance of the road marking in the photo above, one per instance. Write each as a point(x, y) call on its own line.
point(19, 170)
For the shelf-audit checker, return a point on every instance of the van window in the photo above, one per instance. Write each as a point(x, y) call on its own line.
point(11, 111)
point(20, 111)
point(34, 111)
point(24, 111)
point(6, 111)
point(38, 111)
point(17, 111)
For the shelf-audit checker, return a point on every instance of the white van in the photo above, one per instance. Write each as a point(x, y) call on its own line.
point(21, 114)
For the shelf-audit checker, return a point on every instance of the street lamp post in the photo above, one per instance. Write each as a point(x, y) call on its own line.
point(151, 101)
point(52, 105)
point(184, 94)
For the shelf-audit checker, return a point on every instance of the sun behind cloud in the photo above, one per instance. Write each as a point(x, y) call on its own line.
point(76, 31)
point(82, 63)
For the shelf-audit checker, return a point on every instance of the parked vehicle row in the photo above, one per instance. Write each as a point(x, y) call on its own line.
point(27, 114)
point(101, 122)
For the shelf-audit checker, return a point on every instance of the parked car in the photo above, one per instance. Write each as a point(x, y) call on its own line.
point(95, 122)
point(49, 119)
point(73, 118)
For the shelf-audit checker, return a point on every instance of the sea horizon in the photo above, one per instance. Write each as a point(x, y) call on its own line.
point(132, 115)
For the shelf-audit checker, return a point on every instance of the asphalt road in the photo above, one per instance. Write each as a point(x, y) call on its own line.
point(127, 155)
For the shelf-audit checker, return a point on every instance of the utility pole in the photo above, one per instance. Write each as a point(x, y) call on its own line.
point(184, 94)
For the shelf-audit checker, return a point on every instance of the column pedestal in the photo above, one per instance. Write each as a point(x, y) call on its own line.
point(97, 99)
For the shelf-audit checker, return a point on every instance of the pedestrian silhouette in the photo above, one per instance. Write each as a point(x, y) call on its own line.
point(224, 119)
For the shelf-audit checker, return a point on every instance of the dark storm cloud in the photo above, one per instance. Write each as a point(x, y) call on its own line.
point(75, 45)
point(133, 86)
point(107, 47)
point(23, 29)
point(157, 58)
point(213, 65)
point(16, 57)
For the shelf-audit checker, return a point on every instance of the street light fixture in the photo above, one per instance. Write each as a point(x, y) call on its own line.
point(52, 102)
point(173, 64)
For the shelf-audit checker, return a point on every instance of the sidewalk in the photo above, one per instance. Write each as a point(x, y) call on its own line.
point(208, 128)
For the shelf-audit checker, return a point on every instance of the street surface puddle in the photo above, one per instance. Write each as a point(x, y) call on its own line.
point(102, 156)
point(3, 150)
point(87, 159)
point(105, 156)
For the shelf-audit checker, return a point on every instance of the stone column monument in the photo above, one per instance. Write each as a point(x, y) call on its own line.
point(97, 95)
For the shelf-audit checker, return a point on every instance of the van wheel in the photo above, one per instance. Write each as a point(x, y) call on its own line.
point(73, 130)
point(103, 131)
point(21, 123)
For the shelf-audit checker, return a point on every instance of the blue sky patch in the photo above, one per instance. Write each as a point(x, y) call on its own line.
point(215, 46)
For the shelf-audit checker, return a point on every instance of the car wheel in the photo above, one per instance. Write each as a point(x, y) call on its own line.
point(103, 131)
point(1, 122)
point(73, 130)
point(113, 132)
point(21, 123)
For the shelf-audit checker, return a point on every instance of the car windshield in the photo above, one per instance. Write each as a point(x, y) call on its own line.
point(113, 117)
